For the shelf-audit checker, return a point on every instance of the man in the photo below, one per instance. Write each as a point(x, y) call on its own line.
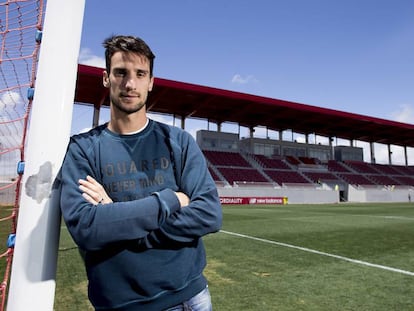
point(137, 197)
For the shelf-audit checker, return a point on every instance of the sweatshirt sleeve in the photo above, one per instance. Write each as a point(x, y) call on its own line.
point(93, 227)
point(203, 215)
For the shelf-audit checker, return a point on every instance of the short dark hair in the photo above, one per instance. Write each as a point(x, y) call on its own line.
point(116, 43)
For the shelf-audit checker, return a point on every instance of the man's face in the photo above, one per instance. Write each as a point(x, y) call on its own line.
point(129, 82)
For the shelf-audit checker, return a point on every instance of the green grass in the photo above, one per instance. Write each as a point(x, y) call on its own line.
point(71, 281)
point(247, 274)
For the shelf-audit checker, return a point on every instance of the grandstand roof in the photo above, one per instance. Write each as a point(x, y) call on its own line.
point(218, 105)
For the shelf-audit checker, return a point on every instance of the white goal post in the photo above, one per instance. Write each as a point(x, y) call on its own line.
point(32, 283)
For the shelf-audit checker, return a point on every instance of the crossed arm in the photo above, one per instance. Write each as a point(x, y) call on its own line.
point(95, 193)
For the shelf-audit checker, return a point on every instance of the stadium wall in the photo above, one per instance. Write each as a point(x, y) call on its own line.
point(294, 195)
point(380, 195)
point(321, 195)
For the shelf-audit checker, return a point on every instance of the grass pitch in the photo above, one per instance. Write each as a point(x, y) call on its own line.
point(314, 257)
point(293, 257)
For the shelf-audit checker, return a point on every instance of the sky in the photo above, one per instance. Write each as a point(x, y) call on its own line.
point(355, 55)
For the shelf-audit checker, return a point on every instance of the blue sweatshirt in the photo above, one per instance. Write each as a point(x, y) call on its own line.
point(143, 251)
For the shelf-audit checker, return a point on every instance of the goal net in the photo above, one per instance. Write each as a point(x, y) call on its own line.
point(20, 31)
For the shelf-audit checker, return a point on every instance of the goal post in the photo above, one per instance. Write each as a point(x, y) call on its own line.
point(33, 276)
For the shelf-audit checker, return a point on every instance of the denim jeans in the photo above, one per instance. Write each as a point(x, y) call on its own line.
point(200, 302)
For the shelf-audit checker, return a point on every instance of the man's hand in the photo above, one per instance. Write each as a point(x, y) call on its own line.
point(93, 192)
point(183, 198)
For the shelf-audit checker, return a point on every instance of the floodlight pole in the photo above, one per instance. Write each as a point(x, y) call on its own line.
point(32, 284)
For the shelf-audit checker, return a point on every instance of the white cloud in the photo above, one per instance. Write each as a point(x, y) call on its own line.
point(10, 99)
point(11, 111)
point(86, 57)
point(11, 106)
point(405, 114)
point(239, 79)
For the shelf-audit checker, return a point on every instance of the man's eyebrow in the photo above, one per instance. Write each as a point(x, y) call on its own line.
point(118, 69)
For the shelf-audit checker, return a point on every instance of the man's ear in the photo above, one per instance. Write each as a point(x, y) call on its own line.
point(105, 80)
point(151, 85)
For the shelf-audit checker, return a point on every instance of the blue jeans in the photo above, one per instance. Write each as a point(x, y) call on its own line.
point(200, 302)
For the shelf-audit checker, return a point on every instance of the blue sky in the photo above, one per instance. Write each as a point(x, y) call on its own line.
point(354, 55)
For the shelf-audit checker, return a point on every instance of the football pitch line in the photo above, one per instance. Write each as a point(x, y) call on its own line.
point(355, 261)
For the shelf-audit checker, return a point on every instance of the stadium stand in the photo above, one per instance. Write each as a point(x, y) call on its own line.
point(233, 167)
point(238, 168)
point(243, 175)
point(286, 177)
point(361, 167)
point(310, 161)
point(356, 179)
point(318, 177)
point(267, 162)
point(405, 180)
point(226, 158)
point(337, 167)
point(293, 160)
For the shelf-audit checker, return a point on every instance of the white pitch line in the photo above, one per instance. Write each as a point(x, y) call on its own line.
point(360, 262)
